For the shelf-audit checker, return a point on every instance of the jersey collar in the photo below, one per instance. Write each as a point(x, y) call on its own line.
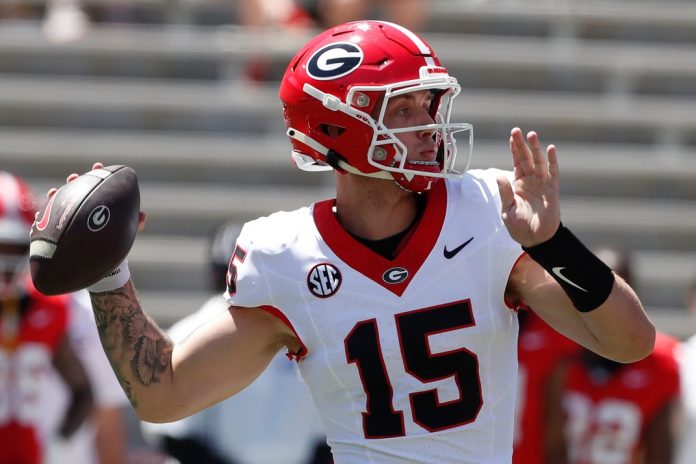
point(410, 257)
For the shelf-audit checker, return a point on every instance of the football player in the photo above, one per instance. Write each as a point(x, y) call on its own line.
point(33, 341)
point(543, 355)
point(394, 297)
point(623, 413)
point(594, 410)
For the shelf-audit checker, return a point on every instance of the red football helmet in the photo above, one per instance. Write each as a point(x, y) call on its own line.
point(17, 210)
point(335, 92)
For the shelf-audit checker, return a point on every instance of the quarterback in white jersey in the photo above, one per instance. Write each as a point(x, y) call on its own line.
point(393, 295)
point(408, 359)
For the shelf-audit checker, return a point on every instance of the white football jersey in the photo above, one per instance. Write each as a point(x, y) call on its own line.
point(412, 359)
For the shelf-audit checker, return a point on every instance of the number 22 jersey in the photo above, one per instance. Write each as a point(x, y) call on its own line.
point(26, 360)
point(410, 359)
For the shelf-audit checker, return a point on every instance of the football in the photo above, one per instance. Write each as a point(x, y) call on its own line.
point(85, 230)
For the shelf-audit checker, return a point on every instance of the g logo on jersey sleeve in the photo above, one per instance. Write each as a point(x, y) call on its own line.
point(324, 280)
point(334, 61)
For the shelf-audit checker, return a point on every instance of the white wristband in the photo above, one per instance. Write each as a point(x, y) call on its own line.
point(113, 280)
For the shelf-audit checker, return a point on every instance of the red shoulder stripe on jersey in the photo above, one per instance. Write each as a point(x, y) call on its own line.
point(516, 305)
point(302, 352)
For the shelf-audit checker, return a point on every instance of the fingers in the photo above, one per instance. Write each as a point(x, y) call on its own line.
point(72, 177)
point(521, 156)
point(553, 160)
point(529, 158)
point(540, 168)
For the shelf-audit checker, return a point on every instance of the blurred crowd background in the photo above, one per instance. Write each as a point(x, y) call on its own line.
point(185, 92)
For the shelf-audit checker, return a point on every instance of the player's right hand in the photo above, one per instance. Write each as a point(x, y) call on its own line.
point(97, 165)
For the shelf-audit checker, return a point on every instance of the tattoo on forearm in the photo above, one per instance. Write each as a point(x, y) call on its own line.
point(138, 350)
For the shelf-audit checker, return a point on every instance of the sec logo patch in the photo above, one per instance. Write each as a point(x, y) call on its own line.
point(334, 61)
point(324, 280)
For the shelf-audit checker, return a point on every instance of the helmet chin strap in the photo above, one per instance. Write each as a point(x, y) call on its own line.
point(305, 165)
point(375, 175)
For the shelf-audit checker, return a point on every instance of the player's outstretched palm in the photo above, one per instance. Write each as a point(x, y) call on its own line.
point(531, 209)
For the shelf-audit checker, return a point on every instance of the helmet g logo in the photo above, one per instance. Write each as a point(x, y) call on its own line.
point(334, 61)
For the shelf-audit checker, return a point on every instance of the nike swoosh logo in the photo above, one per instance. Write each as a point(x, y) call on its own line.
point(41, 225)
point(449, 254)
point(557, 272)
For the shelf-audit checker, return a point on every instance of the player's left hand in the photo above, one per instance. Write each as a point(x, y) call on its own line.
point(530, 205)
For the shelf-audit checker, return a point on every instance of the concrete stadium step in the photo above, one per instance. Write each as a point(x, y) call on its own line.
point(28, 101)
point(160, 262)
point(618, 170)
point(479, 61)
point(137, 104)
point(676, 321)
point(169, 306)
point(580, 117)
point(540, 64)
point(185, 157)
point(669, 20)
point(664, 277)
point(126, 50)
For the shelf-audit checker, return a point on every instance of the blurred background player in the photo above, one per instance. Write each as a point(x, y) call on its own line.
point(273, 421)
point(64, 21)
point(542, 354)
point(687, 366)
point(621, 413)
point(33, 342)
point(102, 438)
point(412, 14)
point(263, 18)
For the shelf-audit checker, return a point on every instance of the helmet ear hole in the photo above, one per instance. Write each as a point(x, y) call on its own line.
point(331, 130)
